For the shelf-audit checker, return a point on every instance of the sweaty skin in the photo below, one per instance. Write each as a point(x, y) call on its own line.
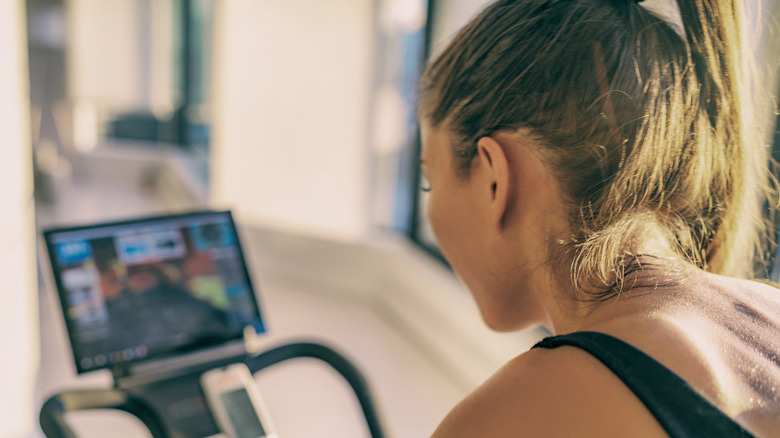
point(719, 334)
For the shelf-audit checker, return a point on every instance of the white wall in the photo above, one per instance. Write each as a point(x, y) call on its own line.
point(120, 53)
point(19, 342)
point(449, 17)
point(289, 113)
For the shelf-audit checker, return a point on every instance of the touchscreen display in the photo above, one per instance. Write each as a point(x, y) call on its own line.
point(137, 290)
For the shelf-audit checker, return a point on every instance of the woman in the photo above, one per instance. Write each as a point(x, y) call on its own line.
point(591, 170)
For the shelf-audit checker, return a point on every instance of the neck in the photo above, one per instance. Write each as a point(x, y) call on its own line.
point(648, 268)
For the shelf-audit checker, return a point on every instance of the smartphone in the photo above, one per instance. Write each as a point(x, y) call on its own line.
point(235, 402)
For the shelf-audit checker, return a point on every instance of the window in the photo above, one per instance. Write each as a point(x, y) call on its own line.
point(401, 49)
point(444, 19)
point(138, 70)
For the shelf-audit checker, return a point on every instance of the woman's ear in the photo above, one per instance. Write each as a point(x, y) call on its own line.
point(495, 168)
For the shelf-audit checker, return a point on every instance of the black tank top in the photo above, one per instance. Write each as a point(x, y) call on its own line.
point(680, 410)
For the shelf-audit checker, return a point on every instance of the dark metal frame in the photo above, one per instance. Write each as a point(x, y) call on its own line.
point(52, 414)
point(181, 117)
point(413, 226)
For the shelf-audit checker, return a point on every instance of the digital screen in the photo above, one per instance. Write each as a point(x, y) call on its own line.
point(242, 415)
point(137, 290)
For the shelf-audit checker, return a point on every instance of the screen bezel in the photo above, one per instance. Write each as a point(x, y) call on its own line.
point(49, 235)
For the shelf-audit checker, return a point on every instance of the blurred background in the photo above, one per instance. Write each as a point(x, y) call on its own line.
point(300, 117)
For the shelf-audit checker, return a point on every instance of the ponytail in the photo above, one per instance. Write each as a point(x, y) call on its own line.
point(715, 33)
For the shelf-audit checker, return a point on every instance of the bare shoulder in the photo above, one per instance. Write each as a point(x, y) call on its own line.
point(556, 393)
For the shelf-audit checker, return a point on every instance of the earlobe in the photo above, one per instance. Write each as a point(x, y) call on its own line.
point(496, 168)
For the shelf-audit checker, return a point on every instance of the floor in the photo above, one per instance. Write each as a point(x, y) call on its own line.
point(305, 399)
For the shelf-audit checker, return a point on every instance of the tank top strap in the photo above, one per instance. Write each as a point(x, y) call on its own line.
point(680, 409)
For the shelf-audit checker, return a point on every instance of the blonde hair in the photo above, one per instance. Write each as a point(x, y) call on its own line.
point(635, 120)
